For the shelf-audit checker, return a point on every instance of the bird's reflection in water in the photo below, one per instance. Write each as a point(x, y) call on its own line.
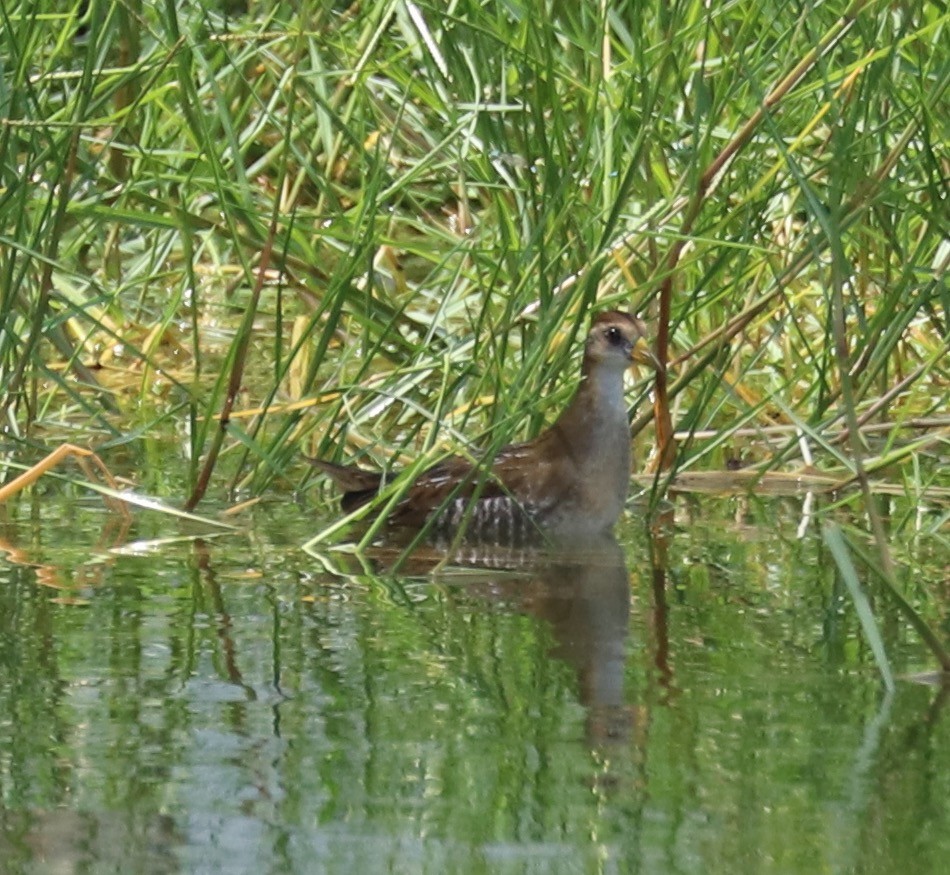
point(581, 590)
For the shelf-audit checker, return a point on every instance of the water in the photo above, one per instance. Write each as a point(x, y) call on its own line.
point(700, 700)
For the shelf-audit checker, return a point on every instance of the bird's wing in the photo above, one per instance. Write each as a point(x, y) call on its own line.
point(453, 477)
point(525, 481)
point(522, 483)
point(531, 474)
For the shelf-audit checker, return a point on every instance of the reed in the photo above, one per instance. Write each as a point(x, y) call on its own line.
point(377, 230)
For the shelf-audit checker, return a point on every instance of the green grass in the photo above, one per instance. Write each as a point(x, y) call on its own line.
point(403, 213)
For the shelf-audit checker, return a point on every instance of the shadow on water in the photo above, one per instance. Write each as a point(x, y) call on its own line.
point(694, 698)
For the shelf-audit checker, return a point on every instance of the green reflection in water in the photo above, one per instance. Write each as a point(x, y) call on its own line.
point(699, 701)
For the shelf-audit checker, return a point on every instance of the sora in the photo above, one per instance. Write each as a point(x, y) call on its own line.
point(569, 482)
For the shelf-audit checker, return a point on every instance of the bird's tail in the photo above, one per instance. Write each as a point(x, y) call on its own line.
point(358, 484)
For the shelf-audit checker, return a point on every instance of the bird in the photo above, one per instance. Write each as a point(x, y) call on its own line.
point(569, 482)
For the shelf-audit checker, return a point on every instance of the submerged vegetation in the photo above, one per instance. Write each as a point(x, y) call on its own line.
point(376, 230)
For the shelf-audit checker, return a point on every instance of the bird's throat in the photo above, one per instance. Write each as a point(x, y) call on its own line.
point(595, 424)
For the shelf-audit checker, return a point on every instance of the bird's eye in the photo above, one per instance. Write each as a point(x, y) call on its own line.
point(614, 336)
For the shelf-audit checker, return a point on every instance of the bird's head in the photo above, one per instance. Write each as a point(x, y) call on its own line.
point(617, 340)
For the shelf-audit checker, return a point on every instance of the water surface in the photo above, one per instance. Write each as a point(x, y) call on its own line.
point(695, 699)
